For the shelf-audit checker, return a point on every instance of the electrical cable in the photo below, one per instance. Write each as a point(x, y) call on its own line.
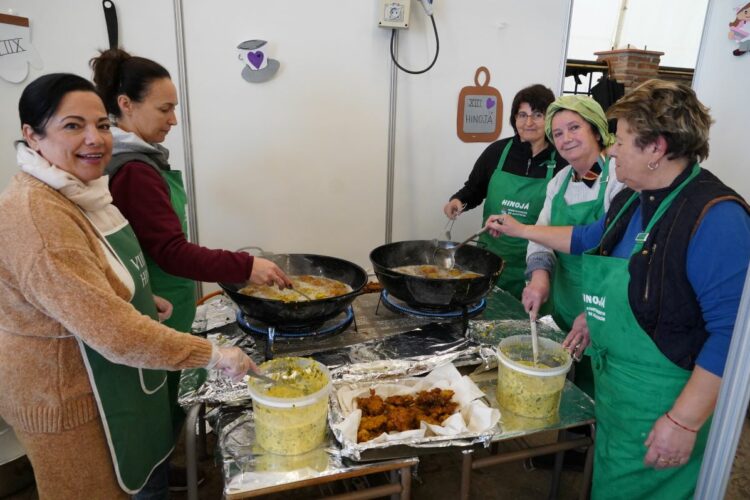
point(437, 51)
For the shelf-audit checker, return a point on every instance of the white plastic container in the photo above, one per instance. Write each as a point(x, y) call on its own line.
point(291, 422)
point(526, 389)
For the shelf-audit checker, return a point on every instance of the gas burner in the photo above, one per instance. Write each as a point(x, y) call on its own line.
point(330, 327)
point(398, 306)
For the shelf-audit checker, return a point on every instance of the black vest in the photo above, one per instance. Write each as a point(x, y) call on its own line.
point(660, 294)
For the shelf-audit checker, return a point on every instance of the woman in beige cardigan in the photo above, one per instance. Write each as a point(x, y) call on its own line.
point(82, 358)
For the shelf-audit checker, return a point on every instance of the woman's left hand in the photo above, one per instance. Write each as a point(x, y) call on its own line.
point(668, 445)
point(579, 337)
point(163, 308)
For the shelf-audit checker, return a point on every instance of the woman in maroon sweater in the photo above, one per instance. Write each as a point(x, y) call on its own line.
point(139, 94)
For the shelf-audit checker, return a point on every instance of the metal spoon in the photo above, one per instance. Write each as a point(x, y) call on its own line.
point(271, 381)
point(449, 225)
point(445, 258)
point(303, 294)
point(264, 378)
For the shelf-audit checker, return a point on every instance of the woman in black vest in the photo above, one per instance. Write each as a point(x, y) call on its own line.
point(663, 276)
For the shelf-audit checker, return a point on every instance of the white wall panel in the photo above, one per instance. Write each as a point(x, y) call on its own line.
point(298, 164)
point(721, 81)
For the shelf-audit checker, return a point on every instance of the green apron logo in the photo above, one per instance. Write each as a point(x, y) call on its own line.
point(515, 208)
point(139, 262)
point(595, 306)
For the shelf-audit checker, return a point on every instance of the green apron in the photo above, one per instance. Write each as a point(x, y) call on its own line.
point(566, 279)
point(179, 291)
point(523, 198)
point(635, 383)
point(133, 402)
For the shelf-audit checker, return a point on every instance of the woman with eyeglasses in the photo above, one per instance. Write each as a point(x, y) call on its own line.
point(511, 176)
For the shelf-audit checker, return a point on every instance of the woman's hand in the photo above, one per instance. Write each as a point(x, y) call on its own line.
point(266, 272)
point(163, 308)
point(453, 208)
point(536, 293)
point(234, 363)
point(578, 339)
point(504, 224)
point(668, 445)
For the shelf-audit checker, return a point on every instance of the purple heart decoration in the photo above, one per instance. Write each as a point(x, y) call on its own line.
point(255, 58)
point(490, 103)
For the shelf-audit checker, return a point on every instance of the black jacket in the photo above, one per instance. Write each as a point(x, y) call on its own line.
point(519, 162)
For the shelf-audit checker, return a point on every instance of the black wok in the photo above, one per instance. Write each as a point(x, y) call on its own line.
point(438, 294)
point(305, 313)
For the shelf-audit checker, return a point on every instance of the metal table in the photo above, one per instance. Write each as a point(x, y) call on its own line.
point(576, 410)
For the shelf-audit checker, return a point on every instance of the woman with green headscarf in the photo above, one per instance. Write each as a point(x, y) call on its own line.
point(578, 194)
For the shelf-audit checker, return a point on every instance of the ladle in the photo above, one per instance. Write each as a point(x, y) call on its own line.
point(534, 340)
point(445, 258)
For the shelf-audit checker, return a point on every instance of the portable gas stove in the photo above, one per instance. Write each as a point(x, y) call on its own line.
point(270, 333)
point(434, 314)
point(364, 321)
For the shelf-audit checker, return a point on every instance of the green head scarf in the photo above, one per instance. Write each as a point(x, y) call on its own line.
point(585, 106)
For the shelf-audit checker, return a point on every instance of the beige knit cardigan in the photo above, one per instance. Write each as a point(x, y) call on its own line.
point(55, 287)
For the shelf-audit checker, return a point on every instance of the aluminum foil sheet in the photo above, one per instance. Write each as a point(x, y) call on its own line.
point(202, 386)
point(403, 447)
point(576, 409)
point(406, 354)
point(248, 467)
point(215, 313)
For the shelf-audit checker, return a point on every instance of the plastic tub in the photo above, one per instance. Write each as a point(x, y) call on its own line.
point(291, 420)
point(525, 389)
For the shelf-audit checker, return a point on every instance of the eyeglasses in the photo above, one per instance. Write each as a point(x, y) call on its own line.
point(536, 116)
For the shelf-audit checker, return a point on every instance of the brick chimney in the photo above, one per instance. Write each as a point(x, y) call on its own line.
point(631, 66)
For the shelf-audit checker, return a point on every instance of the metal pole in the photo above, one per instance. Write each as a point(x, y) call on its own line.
point(564, 48)
point(620, 23)
point(187, 143)
point(731, 407)
point(391, 145)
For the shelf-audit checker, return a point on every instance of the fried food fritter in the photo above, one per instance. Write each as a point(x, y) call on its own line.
point(402, 412)
point(372, 405)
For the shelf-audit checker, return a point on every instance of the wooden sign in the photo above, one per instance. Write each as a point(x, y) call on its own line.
point(480, 111)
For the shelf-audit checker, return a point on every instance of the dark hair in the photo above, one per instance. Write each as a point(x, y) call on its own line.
point(41, 98)
point(116, 73)
point(537, 96)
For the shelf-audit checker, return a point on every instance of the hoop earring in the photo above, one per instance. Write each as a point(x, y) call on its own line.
point(652, 166)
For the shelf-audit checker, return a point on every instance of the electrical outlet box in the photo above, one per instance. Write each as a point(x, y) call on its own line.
point(394, 14)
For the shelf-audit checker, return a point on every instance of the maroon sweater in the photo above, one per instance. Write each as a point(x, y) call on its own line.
point(142, 196)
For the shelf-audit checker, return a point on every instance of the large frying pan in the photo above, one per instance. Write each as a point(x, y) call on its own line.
point(435, 294)
point(305, 313)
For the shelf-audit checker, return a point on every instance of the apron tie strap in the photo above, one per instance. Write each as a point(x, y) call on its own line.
point(598, 357)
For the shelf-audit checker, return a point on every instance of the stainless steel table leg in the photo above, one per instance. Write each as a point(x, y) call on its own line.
point(468, 458)
point(394, 479)
point(554, 485)
point(588, 467)
point(406, 482)
point(203, 441)
point(191, 462)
